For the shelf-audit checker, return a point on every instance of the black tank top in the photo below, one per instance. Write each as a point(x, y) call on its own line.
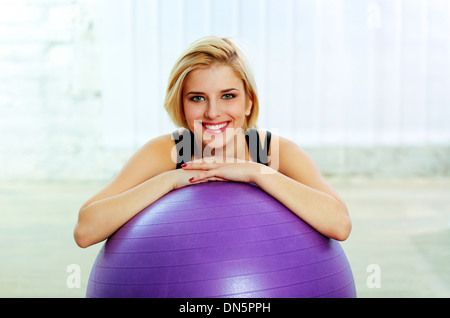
point(186, 146)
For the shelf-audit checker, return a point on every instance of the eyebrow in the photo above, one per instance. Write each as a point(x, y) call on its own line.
point(223, 91)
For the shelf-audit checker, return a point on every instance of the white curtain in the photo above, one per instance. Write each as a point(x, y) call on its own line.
point(329, 72)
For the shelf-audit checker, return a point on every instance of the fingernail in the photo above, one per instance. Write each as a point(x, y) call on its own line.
point(190, 180)
point(183, 165)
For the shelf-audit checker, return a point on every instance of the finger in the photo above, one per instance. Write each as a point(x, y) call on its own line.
point(199, 166)
point(216, 179)
point(207, 175)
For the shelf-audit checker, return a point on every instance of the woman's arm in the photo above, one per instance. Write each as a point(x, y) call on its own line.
point(301, 188)
point(297, 184)
point(146, 177)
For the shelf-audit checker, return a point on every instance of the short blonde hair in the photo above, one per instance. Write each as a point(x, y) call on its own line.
point(203, 53)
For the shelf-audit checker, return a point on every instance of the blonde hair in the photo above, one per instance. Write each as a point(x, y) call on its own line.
point(203, 53)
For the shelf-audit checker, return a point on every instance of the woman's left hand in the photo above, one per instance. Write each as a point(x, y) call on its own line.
point(210, 170)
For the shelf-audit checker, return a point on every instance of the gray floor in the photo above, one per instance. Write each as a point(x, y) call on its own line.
point(399, 246)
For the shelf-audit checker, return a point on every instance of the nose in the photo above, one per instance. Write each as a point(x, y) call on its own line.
point(213, 110)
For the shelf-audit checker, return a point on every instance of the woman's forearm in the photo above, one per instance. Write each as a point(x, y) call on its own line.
point(320, 210)
point(98, 220)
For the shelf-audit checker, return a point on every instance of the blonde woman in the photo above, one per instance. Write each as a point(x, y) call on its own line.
point(212, 97)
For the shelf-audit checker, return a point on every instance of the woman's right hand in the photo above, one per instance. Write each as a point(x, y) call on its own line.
point(181, 178)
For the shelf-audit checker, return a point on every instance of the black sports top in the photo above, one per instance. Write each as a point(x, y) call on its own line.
point(186, 146)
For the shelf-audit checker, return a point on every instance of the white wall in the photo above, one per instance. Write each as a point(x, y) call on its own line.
point(329, 72)
point(50, 103)
point(363, 85)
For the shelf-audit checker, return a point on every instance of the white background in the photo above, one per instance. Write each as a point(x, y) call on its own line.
point(362, 85)
point(329, 72)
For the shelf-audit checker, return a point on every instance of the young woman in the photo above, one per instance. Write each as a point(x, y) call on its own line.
point(212, 97)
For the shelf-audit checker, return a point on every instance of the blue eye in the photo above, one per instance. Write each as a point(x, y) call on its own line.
point(228, 96)
point(197, 99)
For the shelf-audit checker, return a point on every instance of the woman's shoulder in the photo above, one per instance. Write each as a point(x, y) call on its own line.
point(158, 151)
point(159, 143)
point(288, 149)
point(293, 160)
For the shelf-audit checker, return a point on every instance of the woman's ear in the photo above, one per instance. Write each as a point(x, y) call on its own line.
point(248, 107)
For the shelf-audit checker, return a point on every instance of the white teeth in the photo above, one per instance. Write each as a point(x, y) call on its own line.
point(215, 127)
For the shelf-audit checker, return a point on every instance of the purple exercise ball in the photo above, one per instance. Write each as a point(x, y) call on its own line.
point(219, 239)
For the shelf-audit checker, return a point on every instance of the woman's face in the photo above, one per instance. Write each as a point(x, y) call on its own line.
point(215, 103)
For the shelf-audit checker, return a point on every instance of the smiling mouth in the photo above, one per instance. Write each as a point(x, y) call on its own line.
point(215, 128)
